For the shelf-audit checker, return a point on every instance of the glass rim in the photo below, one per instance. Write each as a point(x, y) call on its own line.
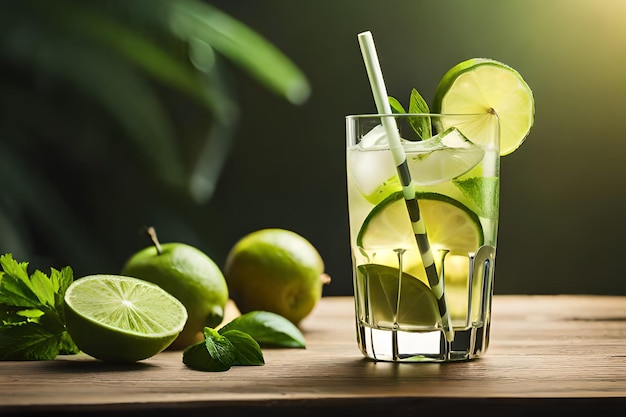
point(381, 115)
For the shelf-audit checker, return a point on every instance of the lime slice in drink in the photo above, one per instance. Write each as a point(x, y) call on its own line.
point(449, 224)
point(417, 306)
point(121, 319)
point(488, 87)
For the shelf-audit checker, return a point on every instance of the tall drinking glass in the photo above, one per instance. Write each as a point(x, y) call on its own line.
point(402, 313)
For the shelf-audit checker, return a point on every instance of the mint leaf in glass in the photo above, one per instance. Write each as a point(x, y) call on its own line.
point(421, 125)
point(268, 329)
point(483, 193)
point(396, 107)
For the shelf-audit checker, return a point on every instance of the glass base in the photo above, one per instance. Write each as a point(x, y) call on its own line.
point(430, 346)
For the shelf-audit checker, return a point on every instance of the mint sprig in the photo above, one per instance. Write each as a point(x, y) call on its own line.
point(215, 354)
point(218, 353)
point(238, 343)
point(421, 125)
point(32, 321)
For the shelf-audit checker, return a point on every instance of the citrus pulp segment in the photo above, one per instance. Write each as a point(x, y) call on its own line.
point(417, 306)
point(121, 319)
point(490, 88)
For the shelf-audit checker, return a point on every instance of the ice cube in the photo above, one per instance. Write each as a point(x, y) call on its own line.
point(442, 157)
point(374, 138)
point(370, 167)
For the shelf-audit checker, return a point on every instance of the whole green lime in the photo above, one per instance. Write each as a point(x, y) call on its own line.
point(275, 270)
point(189, 275)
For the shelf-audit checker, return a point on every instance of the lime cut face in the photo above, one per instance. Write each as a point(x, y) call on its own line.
point(398, 301)
point(122, 319)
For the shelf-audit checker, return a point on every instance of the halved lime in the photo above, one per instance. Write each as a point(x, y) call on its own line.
point(493, 89)
point(416, 307)
point(121, 319)
point(450, 225)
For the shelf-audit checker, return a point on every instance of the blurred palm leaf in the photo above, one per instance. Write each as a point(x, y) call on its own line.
point(100, 88)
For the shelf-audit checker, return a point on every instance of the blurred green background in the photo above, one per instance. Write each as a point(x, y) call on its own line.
point(174, 129)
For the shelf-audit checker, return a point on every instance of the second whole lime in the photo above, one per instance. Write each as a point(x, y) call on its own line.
point(192, 277)
point(275, 270)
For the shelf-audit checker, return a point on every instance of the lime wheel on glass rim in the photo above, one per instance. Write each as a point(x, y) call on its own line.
point(488, 87)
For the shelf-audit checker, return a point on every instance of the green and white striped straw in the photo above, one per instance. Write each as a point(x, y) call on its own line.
point(374, 73)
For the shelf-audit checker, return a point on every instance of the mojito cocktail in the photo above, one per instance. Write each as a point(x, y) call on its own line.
point(456, 183)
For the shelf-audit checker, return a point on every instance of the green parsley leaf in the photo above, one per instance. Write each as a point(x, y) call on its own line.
point(16, 287)
point(32, 320)
point(27, 341)
point(268, 329)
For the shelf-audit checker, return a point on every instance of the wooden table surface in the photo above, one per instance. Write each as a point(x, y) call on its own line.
point(548, 354)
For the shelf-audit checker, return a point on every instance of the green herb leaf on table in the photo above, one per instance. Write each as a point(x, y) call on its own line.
point(268, 329)
point(219, 347)
point(215, 354)
point(197, 357)
point(219, 352)
point(239, 342)
point(32, 325)
point(248, 350)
